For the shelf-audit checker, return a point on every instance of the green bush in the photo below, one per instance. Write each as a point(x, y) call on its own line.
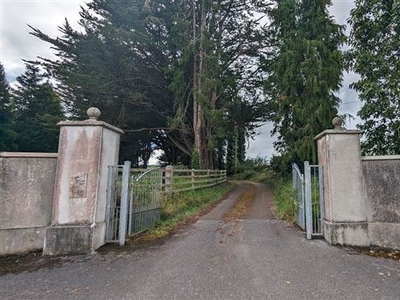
point(254, 169)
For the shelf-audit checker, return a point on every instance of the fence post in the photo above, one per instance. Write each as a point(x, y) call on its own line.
point(124, 202)
point(169, 171)
point(192, 178)
point(307, 178)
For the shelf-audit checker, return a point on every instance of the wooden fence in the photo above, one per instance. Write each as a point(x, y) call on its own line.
point(182, 180)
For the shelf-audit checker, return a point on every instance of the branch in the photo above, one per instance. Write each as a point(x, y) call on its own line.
point(147, 129)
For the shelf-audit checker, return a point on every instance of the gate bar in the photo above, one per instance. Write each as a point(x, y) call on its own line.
point(309, 219)
point(124, 202)
point(109, 200)
point(321, 197)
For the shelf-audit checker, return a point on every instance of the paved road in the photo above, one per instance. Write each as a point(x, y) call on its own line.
point(257, 257)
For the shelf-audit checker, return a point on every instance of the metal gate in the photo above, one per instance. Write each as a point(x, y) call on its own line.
point(145, 200)
point(309, 198)
point(133, 201)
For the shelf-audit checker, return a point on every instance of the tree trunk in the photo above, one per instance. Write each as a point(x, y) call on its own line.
point(199, 122)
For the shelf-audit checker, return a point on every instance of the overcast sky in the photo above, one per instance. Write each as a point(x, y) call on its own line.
point(16, 44)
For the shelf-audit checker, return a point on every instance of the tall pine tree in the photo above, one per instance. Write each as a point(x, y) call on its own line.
point(38, 110)
point(7, 132)
point(304, 75)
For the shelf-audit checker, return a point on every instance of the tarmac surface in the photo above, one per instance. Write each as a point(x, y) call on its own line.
point(255, 257)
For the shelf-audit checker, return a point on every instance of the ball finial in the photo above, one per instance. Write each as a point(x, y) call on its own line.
point(337, 122)
point(93, 113)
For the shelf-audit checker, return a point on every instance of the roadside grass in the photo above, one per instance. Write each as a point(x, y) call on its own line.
point(180, 208)
point(284, 200)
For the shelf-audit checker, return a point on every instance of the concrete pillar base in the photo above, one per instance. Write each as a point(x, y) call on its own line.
point(346, 233)
point(71, 239)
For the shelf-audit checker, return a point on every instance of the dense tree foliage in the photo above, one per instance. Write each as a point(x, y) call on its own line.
point(37, 111)
point(164, 71)
point(186, 76)
point(374, 55)
point(7, 132)
point(305, 71)
point(116, 64)
point(223, 44)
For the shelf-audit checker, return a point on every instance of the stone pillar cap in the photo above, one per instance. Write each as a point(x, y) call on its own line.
point(93, 113)
point(337, 123)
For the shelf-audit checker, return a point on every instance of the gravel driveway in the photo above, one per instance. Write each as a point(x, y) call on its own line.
point(255, 257)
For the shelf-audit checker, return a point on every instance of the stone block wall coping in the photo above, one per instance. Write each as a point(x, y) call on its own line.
point(28, 155)
point(336, 131)
point(90, 122)
point(383, 157)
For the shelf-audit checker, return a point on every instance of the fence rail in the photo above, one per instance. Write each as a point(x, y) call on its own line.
point(182, 180)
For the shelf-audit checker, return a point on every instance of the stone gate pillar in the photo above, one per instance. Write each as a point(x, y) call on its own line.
point(86, 149)
point(345, 214)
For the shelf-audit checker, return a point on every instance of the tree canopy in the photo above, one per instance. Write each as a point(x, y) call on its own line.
point(305, 72)
point(374, 55)
point(166, 72)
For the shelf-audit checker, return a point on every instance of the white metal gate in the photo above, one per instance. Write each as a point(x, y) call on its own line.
point(133, 201)
point(309, 198)
point(145, 200)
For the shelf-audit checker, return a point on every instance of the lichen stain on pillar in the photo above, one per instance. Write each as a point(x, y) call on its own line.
point(78, 185)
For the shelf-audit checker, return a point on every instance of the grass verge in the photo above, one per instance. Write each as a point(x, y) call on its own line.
point(283, 197)
point(182, 207)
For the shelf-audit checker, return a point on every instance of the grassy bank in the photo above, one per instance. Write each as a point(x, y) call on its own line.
point(180, 208)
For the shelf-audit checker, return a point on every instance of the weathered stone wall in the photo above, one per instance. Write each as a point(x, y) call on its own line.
point(26, 200)
point(381, 180)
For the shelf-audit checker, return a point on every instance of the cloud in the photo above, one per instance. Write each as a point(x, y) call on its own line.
point(340, 9)
point(262, 145)
point(17, 43)
point(350, 100)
